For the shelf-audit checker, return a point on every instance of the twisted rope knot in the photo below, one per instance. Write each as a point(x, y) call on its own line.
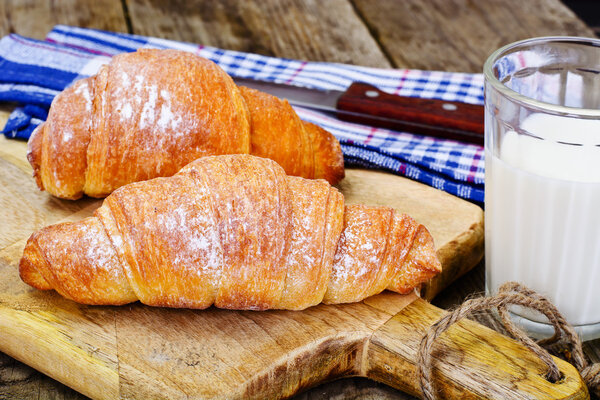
point(512, 293)
point(591, 377)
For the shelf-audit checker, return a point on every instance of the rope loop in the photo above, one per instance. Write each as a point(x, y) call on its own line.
point(512, 293)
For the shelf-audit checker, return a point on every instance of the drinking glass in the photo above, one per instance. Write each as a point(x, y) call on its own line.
point(542, 176)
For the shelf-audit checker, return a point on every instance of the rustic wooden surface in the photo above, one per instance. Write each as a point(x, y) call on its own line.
point(454, 35)
point(458, 35)
point(34, 18)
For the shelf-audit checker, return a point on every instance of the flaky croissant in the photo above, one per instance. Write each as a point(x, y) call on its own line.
point(233, 231)
point(149, 113)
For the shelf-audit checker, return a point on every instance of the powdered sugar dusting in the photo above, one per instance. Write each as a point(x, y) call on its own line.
point(139, 81)
point(167, 118)
point(192, 232)
point(99, 249)
point(147, 104)
point(117, 240)
point(83, 90)
point(347, 263)
point(307, 269)
point(175, 239)
point(125, 79)
point(83, 261)
point(148, 111)
point(67, 134)
point(359, 254)
point(122, 100)
point(126, 111)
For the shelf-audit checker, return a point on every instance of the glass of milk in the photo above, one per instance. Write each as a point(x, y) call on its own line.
point(542, 176)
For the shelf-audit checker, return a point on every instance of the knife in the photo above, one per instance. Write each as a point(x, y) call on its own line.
point(367, 105)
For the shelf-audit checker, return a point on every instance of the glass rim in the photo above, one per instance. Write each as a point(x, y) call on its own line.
point(528, 101)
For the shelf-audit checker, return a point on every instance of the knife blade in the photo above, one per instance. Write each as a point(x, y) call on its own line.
point(366, 104)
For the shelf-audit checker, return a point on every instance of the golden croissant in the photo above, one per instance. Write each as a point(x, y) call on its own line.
point(233, 231)
point(149, 113)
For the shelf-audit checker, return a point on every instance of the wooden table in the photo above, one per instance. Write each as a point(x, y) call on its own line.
point(452, 35)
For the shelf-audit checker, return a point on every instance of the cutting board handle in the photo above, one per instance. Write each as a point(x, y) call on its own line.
point(470, 361)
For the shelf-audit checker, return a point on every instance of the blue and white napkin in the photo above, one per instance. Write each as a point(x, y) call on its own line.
point(32, 72)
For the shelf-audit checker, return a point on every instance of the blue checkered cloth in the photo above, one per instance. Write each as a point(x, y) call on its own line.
point(32, 72)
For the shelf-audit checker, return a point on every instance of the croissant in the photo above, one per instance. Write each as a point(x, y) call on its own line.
point(233, 231)
point(149, 113)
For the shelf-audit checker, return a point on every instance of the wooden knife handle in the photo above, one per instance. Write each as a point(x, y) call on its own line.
point(366, 104)
point(470, 361)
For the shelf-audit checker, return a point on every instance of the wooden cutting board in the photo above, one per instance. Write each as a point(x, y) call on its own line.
point(140, 352)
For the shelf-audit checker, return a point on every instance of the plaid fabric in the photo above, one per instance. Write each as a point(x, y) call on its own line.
point(32, 72)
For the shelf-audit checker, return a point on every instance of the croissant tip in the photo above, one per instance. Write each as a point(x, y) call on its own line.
point(338, 172)
point(34, 153)
point(28, 265)
point(329, 153)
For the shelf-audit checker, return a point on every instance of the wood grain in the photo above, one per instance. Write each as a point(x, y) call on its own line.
point(301, 29)
point(20, 381)
point(228, 354)
point(23, 207)
point(34, 18)
point(462, 358)
point(459, 35)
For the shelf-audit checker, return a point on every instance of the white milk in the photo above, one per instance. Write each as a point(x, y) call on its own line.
point(542, 214)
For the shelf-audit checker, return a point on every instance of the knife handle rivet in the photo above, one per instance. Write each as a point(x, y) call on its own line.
point(449, 107)
point(371, 93)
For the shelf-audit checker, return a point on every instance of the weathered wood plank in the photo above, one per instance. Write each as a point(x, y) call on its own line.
point(36, 208)
point(458, 35)
point(19, 381)
point(34, 18)
point(301, 29)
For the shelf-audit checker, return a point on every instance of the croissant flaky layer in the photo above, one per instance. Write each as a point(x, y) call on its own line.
point(149, 113)
point(234, 231)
